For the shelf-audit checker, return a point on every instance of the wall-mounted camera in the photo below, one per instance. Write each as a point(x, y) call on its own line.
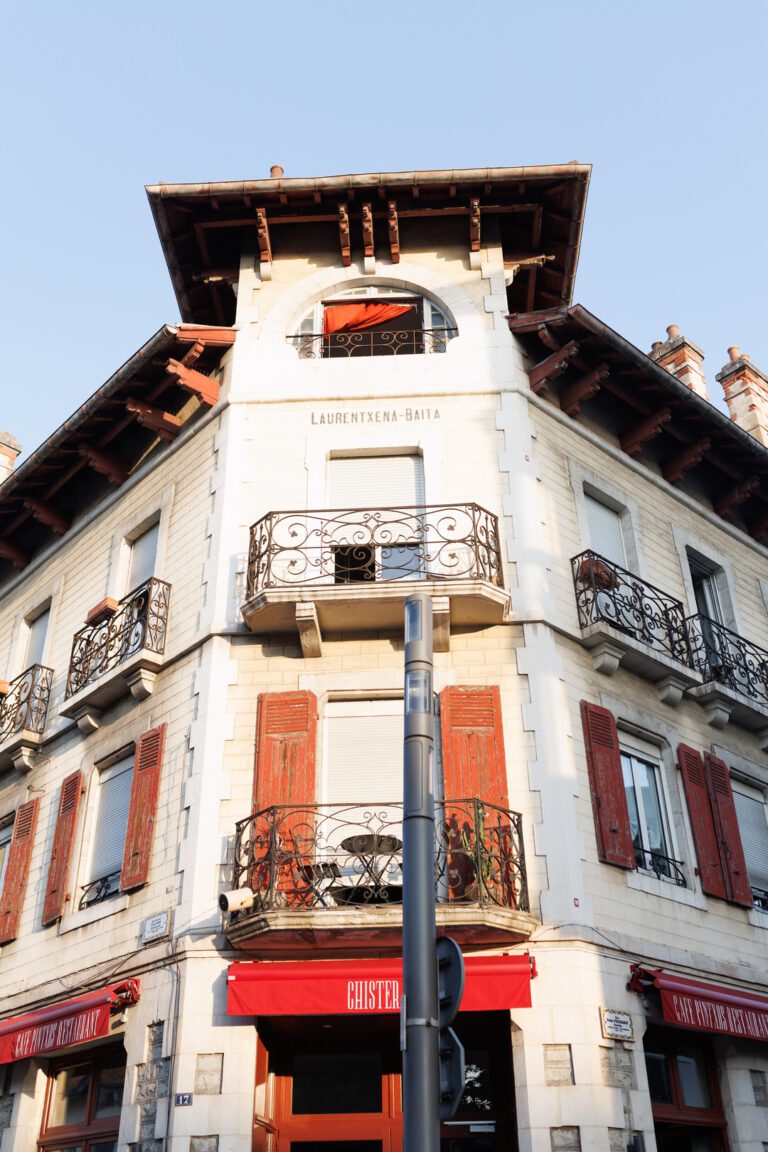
point(239, 900)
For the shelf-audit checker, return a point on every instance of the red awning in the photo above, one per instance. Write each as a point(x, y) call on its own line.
point(352, 987)
point(62, 1025)
point(705, 1007)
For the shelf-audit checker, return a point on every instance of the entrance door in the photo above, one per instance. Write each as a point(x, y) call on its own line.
point(337, 1087)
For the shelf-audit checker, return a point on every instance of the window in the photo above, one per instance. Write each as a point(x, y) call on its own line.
point(37, 629)
point(83, 1104)
point(6, 834)
point(143, 555)
point(752, 816)
point(391, 547)
point(352, 728)
point(649, 825)
point(682, 1083)
point(373, 320)
point(704, 577)
point(105, 861)
point(606, 532)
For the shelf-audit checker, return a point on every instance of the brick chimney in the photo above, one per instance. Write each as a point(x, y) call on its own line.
point(683, 359)
point(9, 450)
point(746, 394)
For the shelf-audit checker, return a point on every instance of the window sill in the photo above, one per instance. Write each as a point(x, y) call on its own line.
point(666, 889)
point(99, 911)
point(757, 917)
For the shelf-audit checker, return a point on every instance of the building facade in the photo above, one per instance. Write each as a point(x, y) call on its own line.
point(381, 386)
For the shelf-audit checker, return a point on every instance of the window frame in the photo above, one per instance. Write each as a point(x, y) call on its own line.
point(432, 315)
point(585, 482)
point(635, 749)
point(91, 1131)
point(157, 512)
point(120, 763)
point(719, 568)
point(6, 836)
point(752, 790)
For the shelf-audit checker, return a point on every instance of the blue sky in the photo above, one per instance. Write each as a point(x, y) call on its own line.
point(666, 100)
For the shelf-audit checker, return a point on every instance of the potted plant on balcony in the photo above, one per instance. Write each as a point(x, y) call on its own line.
point(597, 572)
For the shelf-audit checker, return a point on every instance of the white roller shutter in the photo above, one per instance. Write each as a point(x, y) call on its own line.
point(753, 826)
point(111, 820)
point(36, 639)
point(143, 557)
point(375, 481)
point(606, 536)
point(363, 752)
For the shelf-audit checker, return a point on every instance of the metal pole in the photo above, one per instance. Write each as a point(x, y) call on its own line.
point(419, 1013)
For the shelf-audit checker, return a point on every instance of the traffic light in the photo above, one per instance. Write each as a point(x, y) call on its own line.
point(450, 984)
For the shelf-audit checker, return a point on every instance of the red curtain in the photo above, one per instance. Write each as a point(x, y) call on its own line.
point(354, 317)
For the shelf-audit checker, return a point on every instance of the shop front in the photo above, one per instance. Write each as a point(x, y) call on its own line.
point(329, 1062)
point(85, 1066)
point(686, 1019)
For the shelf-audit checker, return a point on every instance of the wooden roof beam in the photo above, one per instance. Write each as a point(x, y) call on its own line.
point(676, 466)
point(758, 528)
point(164, 424)
point(17, 556)
point(344, 241)
point(542, 374)
point(735, 496)
point(394, 231)
point(646, 430)
point(474, 233)
point(265, 244)
point(206, 389)
point(105, 464)
point(574, 395)
point(368, 248)
point(48, 515)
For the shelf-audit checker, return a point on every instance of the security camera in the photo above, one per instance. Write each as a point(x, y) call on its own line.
point(239, 900)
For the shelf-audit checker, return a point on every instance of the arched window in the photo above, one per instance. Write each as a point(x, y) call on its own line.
point(372, 320)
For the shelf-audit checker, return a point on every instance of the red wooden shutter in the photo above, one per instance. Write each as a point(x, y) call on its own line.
point(606, 781)
point(473, 745)
point(727, 828)
point(56, 891)
point(286, 739)
point(478, 839)
point(17, 870)
point(702, 822)
point(284, 774)
point(140, 831)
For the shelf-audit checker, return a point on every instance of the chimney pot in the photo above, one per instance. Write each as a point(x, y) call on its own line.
point(276, 171)
point(672, 331)
point(734, 353)
point(656, 344)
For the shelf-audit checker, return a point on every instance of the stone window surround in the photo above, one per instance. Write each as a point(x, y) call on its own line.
point(586, 482)
point(636, 721)
point(153, 512)
point(724, 578)
point(47, 596)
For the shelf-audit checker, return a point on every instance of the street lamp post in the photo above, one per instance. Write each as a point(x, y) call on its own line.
point(419, 1009)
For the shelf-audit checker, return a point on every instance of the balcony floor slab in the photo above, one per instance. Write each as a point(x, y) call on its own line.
point(637, 656)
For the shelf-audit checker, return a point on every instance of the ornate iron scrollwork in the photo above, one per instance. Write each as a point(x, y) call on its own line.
point(25, 706)
point(728, 658)
point(139, 624)
point(367, 545)
point(371, 342)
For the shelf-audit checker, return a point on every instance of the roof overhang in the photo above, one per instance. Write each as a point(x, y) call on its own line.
point(163, 387)
point(536, 212)
point(590, 372)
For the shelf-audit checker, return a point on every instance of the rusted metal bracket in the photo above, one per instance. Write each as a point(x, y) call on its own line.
point(206, 390)
point(642, 433)
point(164, 424)
point(547, 370)
point(368, 247)
point(265, 245)
point(676, 467)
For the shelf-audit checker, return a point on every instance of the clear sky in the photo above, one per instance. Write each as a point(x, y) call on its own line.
point(666, 100)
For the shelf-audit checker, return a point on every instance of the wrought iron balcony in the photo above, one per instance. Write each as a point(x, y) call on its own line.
point(334, 558)
point(118, 652)
point(330, 859)
point(627, 620)
point(728, 661)
point(663, 867)
point(23, 712)
point(371, 342)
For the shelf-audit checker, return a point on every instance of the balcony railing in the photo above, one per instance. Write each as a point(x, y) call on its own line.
point(322, 856)
point(25, 706)
point(609, 594)
point(663, 867)
point(368, 545)
point(138, 624)
point(370, 342)
point(728, 659)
